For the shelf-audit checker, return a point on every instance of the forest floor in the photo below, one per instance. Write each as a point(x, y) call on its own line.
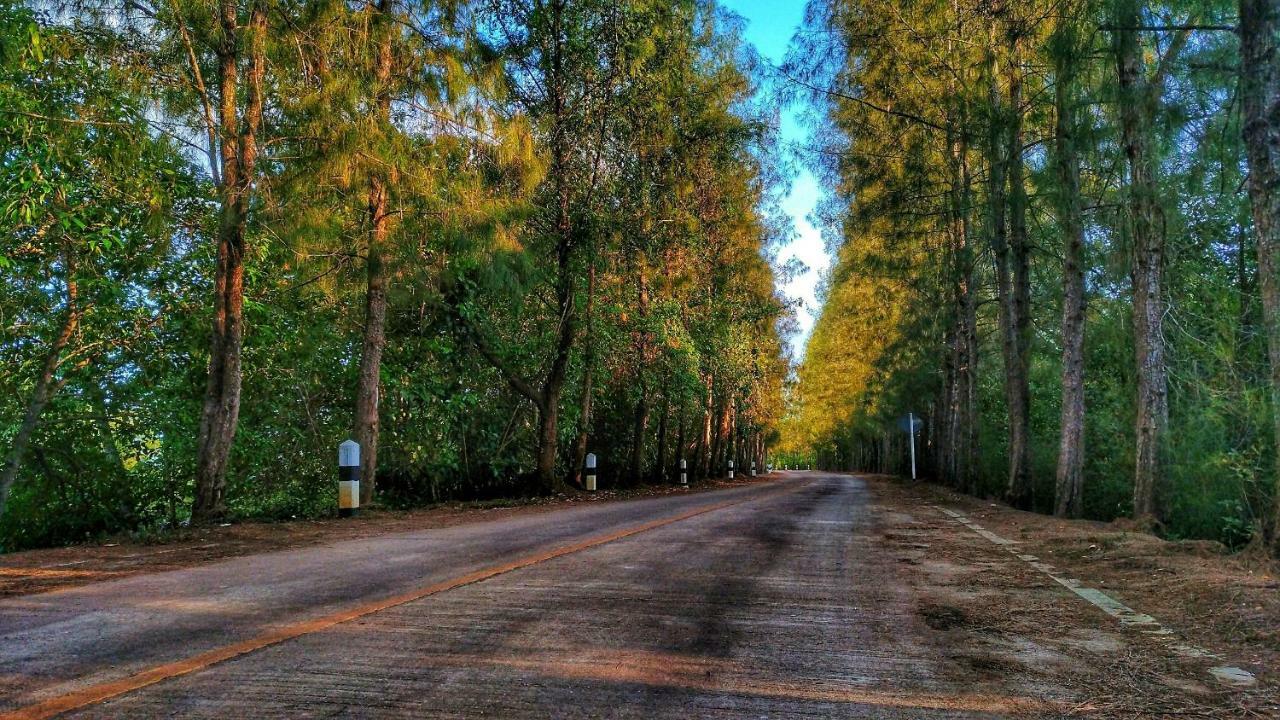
point(34, 571)
point(1202, 597)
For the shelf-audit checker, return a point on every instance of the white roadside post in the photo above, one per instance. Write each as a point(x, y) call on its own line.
point(730, 469)
point(348, 478)
point(911, 429)
point(591, 472)
point(753, 468)
point(684, 471)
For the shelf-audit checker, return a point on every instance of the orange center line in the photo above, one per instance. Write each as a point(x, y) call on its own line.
point(104, 691)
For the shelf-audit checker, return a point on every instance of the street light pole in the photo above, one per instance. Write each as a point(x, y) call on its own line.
point(911, 429)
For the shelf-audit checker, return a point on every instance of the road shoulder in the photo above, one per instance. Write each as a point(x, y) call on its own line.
point(993, 582)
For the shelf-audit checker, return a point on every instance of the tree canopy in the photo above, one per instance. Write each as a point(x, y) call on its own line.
point(483, 237)
point(1044, 249)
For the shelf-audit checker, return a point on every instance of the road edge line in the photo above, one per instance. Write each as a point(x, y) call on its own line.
point(1149, 626)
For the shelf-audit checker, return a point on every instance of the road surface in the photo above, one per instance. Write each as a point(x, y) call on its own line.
point(798, 597)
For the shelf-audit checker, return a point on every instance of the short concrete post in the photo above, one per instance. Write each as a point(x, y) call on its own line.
point(591, 472)
point(753, 468)
point(730, 469)
point(684, 471)
point(348, 478)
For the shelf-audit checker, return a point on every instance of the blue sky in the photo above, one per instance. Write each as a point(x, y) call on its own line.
point(770, 25)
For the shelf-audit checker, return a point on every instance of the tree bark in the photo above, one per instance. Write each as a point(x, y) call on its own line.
point(45, 386)
point(553, 385)
point(969, 401)
point(958, 437)
point(724, 436)
point(1260, 97)
point(703, 463)
point(588, 374)
point(681, 449)
point(238, 153)
point(998, 199)
point(640, 427)
point(1019, 491)
point(374, 340)
point(1137, 101)
point(375, 306)
point(1069, 483)
point(661, 466)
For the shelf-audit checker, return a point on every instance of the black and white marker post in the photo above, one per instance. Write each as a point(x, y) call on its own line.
point(753, 468)
point(684, 471)
point(730, 469)
point(591, 472)
point(348, 478)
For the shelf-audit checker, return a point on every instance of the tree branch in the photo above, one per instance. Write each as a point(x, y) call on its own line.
point(482, 346)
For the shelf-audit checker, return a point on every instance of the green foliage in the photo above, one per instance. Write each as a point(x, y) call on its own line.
point(881, 346)
point(105, 161)
point(93, 199)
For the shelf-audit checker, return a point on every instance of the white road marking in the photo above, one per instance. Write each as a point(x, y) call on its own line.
point(1116, 609)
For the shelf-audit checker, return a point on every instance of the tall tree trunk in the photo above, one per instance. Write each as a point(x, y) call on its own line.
point(548, 427)
point(553, 386)
point(946, 470)
point(640, 427)
point(734, 450)
point(704, 435)
point(45, 386)
point(1020, 488)
point(997, 195)
point(714, 449)
point(375, 306)
point(1069, 485)
point(639, 431)
point(969, 402)
point(559, 226)
point(724, 436)
point(956, 448)
point(886, 455)
point(588, 375)
point(950, 456)
point(681, 449)
point(238, 152)
point(1137, 101)
point(1260, 96)
point(584, 431)
point(660, 468)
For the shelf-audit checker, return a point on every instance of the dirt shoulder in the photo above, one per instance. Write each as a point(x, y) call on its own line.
point(1228, 605)
point(35, 571)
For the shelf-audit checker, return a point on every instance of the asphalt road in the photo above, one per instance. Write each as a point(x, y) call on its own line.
point(773, 600)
